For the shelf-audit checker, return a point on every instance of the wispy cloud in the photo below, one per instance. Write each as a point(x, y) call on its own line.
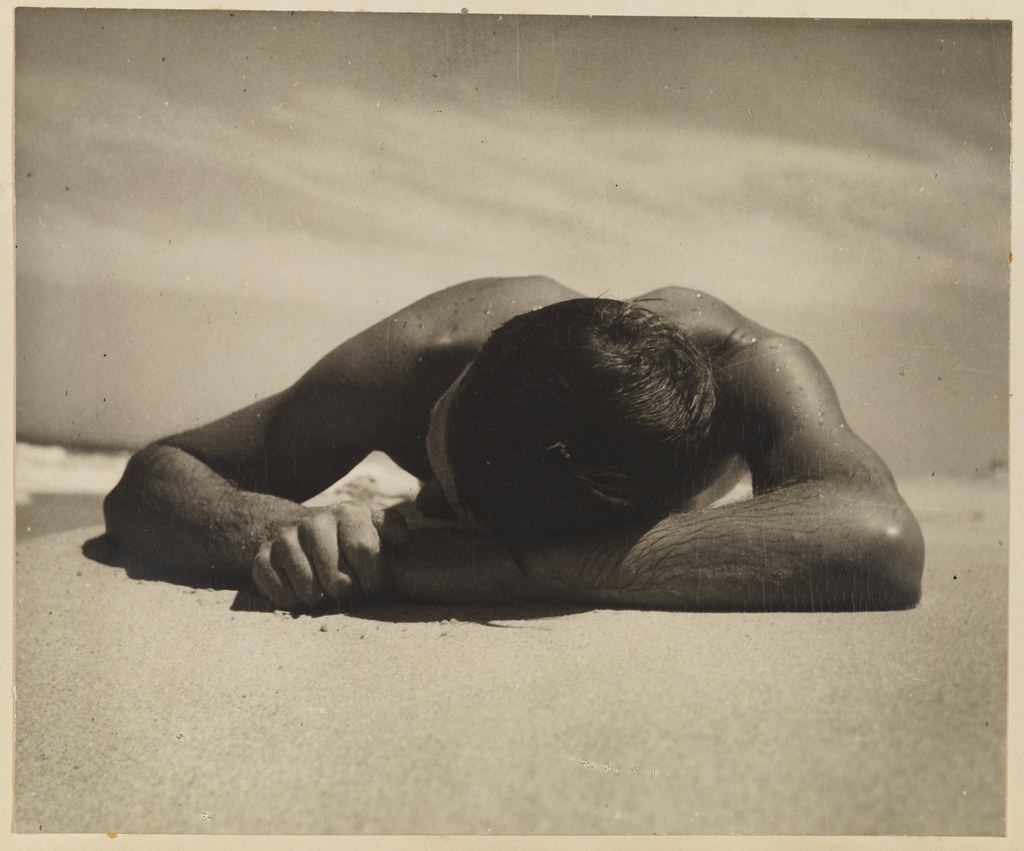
point(809, 173)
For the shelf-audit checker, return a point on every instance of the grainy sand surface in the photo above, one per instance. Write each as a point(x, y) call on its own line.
point(144, 706)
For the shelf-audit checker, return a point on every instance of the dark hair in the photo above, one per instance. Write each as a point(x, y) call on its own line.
point(577, 415)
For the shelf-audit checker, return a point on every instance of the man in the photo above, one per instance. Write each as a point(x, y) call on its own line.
point(568, 436)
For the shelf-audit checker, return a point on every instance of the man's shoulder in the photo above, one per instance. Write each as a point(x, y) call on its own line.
point(463, 315)
point(436, 335)
point(502, 297)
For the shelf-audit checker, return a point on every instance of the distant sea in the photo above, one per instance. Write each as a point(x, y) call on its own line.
point(57, 488)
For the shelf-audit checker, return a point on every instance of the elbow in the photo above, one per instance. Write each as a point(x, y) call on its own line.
point(117, 504)
point(111, 510)
point(894, 556)
point(117, 513)
point(122, 505)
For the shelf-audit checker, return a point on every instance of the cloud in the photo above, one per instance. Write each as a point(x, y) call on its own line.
point(811, 174)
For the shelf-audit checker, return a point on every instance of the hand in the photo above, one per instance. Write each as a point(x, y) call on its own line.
point(333, 555)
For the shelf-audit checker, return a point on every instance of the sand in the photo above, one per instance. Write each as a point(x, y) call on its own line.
point(144, 706)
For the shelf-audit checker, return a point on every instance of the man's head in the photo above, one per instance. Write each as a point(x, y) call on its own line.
point(577, 415)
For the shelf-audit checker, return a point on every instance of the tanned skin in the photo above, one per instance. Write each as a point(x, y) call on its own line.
point(826, 528)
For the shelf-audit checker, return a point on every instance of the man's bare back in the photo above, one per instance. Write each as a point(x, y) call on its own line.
point(825, 529)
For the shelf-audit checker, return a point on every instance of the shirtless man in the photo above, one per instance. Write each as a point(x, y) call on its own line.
point(568, 447)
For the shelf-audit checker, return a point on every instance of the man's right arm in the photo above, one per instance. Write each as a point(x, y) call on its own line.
point(176, 513)
point(215, 497)
point(226, 497)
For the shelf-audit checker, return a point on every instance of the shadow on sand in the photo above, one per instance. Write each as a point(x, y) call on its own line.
point(248, 599)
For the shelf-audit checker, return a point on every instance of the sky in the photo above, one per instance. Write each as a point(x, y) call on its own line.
point(207, 202)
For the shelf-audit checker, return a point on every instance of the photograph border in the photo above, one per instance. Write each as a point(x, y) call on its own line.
point(1015, 757)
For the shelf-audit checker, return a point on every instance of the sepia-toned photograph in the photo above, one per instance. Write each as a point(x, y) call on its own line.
point(501, 424)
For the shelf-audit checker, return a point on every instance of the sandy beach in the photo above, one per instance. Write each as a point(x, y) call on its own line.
point(210, 201)
point(144, 706)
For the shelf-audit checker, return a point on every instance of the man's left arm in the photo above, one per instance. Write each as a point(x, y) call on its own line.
point(826, 528)
point(812, 546)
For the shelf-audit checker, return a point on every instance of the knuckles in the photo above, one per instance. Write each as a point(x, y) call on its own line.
point(326, 556)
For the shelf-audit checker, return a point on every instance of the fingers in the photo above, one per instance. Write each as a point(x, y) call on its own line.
point(318, 537)
point(287, 570)
point(334, 554)
point(360, 543)
point(287, 552)
point(270, 583)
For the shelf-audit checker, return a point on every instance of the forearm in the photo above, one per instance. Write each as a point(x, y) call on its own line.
point(808, 547)
point(174, 513)
point(452, 565)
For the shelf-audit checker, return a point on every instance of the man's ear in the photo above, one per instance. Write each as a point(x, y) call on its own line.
point(432, 503)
